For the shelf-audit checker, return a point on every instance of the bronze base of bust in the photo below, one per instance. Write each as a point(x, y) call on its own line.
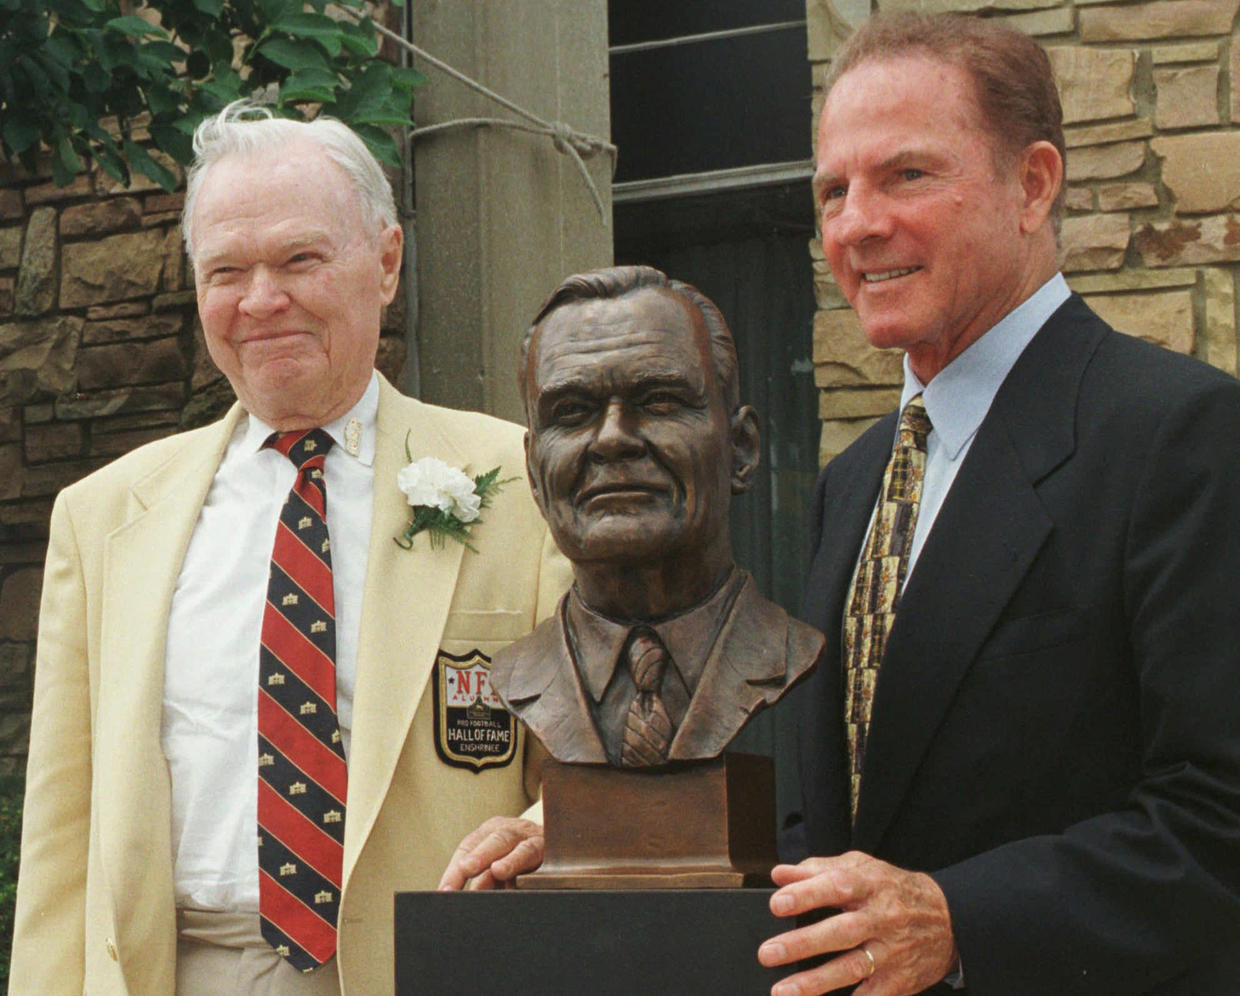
point(698, 825)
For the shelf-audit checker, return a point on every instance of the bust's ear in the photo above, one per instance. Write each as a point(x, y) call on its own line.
point(531, 476)
point(746, 448)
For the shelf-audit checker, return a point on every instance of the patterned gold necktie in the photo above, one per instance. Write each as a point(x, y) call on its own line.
point(875, 594)
point(301, 766)
point(647, 727)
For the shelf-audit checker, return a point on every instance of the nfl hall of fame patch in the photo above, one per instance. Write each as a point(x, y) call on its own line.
point(472, 728)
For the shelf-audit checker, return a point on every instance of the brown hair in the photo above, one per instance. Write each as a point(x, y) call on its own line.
point(1012, 80)
point(616, 281)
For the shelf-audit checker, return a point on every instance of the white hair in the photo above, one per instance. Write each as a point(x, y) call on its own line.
point(246, 128)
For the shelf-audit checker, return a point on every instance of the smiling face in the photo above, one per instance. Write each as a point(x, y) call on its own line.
point(929, 240)
point(632, 453)
point(290, 285)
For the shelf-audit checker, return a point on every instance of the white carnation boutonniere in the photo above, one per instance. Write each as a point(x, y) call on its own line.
point(446, 501)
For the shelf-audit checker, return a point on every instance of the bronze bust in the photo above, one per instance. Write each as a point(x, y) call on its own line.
point(663, 648)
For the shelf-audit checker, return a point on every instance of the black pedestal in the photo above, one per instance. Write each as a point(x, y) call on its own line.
point(624, 943)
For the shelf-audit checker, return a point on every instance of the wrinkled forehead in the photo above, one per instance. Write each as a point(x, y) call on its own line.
point(648, 332)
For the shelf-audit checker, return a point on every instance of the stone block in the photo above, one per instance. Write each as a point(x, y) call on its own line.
point(10, 424)
point(1158, 20)
point(843, 357)
point(1219, 319)
point(36, 280)
point(1234, 73)
point(54, 441)
point(11, 205)
point(1108, 134)
point(1189, 243)
point(12, 470)
point(1126, 196)
point(963, 6)
point(114, 444)
point(15, 661)
point(1201, 171)
point(1161, 317)
point(125, 309)
point(37, 358)
point(1191, 52)
point(132, 423)
point(145, 362)
point(837, 436)
point(205, 370)
point(854, 404)
point(10, 247)
point(1105, 162)
point(12, 552)
point(1079, 199)
point(1093, 83)
point(1095, 242)
point(175, 299)
point(163, 203)
point(1186, 97)
point(48, 193)
point(164, 323)
point(27, 519)
point(7, 296)
point(112, 269)
point(828, 23)
point(49, 479)
point(1128, 280)
point(1056, 21)
point(174, 260)
point(19, 603)
point(207, 404)
point(155, 397)
point(101, 217)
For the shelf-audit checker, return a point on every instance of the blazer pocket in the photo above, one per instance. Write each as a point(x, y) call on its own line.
point(1041, 631)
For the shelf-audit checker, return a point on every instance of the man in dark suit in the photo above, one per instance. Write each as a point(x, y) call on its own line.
point(1021, 754)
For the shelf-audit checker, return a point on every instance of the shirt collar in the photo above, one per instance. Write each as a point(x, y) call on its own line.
point(364, 414)
point(689, 637)
point(959, 397)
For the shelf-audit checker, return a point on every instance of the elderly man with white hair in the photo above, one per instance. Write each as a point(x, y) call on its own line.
point(261, 695)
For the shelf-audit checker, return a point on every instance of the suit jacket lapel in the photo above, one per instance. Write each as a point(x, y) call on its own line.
point(142, 561)
point(984, 540)
point(404, 608)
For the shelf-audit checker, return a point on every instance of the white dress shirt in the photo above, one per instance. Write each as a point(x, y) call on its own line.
point(210, 725)
point(959, 397)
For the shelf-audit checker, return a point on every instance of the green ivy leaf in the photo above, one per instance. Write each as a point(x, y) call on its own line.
point(295, 55)
point(135, 27)
point(212, 8)
point(141, 160)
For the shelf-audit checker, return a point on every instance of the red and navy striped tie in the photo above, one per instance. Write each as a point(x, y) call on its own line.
point(301, 766)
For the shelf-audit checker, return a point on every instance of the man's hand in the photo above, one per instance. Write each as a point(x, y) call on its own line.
point(494, 855)
point(892, 929)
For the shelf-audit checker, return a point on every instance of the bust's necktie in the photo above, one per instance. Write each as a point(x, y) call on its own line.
point(301, 765)
point(647, 728)
point(875, 594)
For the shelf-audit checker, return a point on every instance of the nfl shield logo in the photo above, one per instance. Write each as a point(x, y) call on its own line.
point(472, 728)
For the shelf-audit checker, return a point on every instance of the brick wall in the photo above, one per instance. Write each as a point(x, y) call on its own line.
point(100, 351)
point(1151, 238)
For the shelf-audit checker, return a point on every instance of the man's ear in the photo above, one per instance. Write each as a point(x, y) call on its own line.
point(746, 448)
point(529, 475)
point(1041, 176)
point(391, 258)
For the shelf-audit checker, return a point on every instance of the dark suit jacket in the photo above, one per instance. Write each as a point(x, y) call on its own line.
point(1056, 726)
point(759, 653)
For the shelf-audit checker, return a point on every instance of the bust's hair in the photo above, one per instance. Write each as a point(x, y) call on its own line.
point(245, 128)
point(1013, 86)
point(617, 281)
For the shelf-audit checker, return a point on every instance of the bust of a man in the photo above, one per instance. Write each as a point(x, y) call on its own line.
point(663, 648)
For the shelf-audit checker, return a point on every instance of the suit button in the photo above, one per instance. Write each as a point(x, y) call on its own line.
point(111, 946)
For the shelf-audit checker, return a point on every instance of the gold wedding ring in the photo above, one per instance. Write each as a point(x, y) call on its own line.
point(873, 964)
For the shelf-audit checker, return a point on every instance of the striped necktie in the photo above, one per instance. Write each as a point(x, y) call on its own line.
point(301, 765)
point(648, 730)
point(875, 594)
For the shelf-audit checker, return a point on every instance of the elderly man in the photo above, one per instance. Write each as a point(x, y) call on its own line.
point(1024, 735)
point(248, 698)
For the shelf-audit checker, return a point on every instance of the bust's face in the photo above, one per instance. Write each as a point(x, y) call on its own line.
point(629, 448)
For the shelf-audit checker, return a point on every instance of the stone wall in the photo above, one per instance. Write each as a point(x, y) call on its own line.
point(100, 351)
point(1151, 239)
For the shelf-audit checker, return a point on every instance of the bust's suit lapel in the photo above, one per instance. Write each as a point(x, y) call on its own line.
point(984, 540)
point(404, 608)
point(142, 561)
